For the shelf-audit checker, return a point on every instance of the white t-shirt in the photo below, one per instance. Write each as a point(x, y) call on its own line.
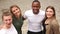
point(11, 30)
point(34, 21)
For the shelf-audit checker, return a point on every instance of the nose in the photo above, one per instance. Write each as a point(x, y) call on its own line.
point(9, 21)
point(48, 12)
point(35, 8)
point(16, 11)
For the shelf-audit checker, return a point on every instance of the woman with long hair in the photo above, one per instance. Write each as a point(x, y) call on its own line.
point(17, 18)
point(51, 24)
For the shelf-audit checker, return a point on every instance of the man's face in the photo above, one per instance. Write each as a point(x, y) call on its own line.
point(35, 7)
point(7, 20)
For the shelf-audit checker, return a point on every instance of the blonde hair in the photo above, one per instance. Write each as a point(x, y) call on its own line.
point(6, 13)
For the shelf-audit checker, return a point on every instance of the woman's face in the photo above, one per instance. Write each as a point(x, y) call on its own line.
point(49, 13)
point(16, 11)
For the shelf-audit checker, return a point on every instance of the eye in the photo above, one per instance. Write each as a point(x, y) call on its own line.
point(46, 11)
point(51, 11)
point(16, 9)
point(13, 10)
point(9, 19)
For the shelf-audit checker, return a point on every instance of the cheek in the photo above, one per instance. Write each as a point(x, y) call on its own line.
point(13, 11)
point(18, 10)
point(49, 14)
point(5, 22)
point(11, 21)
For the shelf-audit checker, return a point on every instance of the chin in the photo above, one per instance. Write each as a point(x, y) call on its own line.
point(48, 16)
point(9, 24)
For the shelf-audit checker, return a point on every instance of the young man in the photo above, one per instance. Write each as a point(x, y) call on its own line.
point(35, 17)
point(7, 27)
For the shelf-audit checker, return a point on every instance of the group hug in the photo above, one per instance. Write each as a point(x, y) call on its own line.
point(39, 21)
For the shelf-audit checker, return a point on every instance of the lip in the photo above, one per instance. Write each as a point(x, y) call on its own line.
point(48, 15)
point(9, 23)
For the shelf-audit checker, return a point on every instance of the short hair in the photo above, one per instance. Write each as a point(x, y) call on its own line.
point(6, 13)
point(36, 1)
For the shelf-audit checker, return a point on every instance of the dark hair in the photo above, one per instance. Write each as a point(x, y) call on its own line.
point(51, 7)
point(12, 7)
point(36, 1)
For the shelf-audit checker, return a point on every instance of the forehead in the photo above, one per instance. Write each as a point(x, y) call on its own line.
point(35, 3)
point(14, 7)
point(7, 17)
point(49, 9)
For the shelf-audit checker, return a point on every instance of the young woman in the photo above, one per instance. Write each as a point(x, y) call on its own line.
point(51, 23)
point(17, 18)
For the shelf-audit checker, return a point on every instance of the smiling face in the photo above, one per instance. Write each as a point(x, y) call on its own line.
point(49, 13)
point(7, 20)
point(35, 7)
point(16, 11)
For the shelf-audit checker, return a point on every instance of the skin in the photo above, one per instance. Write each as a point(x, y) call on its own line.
point(35, 7)
point(7, 20)
point(49, 13)
point(16, 11)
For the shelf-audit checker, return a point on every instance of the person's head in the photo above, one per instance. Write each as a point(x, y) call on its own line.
point(50, 12)
point(15, 10)
point(7, 18)
point(36, 6)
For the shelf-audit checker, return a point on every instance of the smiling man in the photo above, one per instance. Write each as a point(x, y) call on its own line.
point(35, 17)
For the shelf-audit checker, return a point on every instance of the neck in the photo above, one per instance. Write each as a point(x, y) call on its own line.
point(8, 26)
point(36, 13)
point(18, 16)
point(51, 18)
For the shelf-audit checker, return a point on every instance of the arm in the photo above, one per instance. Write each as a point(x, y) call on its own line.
point(55, 27)
point(23, 18)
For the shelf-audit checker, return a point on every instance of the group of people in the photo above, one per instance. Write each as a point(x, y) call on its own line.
point(39, 21)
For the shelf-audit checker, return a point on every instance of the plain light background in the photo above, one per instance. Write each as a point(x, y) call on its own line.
point(26, 5)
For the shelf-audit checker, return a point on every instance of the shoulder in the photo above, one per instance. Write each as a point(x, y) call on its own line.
point(1, 26)
point(55, 26)
point(28, 11)
point(54, 22)
point(42, 12)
